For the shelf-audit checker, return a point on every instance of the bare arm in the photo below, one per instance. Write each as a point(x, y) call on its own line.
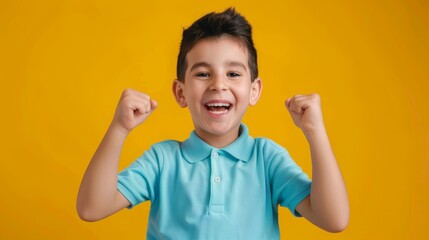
point(327, 206)
point(98, 196)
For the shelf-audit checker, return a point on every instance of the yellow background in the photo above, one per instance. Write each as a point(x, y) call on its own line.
point(63, 65)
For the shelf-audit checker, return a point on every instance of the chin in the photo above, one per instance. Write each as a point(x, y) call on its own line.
point(220, 129)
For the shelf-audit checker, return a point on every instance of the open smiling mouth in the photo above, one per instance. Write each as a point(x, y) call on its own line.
point(218, 108)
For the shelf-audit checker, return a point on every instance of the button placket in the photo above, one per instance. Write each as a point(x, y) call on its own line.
point(217, 191)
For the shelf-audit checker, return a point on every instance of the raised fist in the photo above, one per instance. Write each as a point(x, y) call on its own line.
point(133, 108)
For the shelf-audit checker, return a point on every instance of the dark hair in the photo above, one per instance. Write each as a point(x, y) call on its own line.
point(228, 22)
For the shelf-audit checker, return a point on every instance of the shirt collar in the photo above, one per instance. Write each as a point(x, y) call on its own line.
point(195, 149)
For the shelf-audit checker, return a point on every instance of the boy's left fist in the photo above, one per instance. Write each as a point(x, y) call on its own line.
point(306, 112)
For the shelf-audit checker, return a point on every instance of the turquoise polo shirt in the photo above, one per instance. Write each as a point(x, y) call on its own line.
point(201, 192)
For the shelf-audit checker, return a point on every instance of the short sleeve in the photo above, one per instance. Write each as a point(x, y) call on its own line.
point(290, 185)
point(138, 181)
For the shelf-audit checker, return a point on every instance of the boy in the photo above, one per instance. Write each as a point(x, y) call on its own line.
point(220, 183)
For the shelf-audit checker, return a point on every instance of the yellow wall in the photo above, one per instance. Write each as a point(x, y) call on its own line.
point(63, 65)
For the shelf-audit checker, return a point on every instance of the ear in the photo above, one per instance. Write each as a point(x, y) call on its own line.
point(255, 91)
point(179, 93)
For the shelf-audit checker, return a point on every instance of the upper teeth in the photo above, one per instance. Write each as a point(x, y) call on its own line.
point(218, 104)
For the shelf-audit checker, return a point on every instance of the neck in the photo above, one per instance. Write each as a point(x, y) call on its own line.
point(219, 141)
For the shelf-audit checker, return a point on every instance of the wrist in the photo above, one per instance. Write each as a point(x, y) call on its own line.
point(315, 133)
point(118, 130)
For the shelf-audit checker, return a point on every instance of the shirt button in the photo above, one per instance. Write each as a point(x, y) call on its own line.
point(215, 155)
point(217, 179)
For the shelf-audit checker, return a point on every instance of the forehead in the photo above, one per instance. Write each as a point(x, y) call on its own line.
point(218, 50)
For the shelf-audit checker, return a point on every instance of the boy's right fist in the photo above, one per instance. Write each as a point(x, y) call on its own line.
point(133, 108)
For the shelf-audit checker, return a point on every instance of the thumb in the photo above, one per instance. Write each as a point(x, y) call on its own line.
point(153, 105)
point(288, 104)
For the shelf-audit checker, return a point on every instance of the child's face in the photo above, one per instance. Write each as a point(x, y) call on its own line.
point(217, 88)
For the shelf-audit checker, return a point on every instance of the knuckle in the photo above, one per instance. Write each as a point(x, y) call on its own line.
point(145, 97)
point(126, 94)
point(315, 97)
point(127, 91)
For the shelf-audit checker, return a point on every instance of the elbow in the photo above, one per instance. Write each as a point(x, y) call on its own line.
point(339, 225)
point(86, 214)
point(337, 228)
point(87, 217)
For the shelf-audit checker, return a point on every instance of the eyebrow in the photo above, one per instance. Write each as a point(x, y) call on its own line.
point(205, 64)
point(199, 64)
point(237, 64)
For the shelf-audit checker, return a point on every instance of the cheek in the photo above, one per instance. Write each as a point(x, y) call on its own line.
point(193, 95)
point(244, 94)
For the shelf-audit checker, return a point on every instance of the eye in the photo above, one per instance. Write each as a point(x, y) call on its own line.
point(202, 75)
point(233, 74)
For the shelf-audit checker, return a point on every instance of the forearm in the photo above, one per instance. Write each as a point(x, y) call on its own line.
point(98, 190)
point(328, 198)
point(328, 205)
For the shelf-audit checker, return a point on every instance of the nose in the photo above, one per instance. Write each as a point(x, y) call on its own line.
point(218, 83)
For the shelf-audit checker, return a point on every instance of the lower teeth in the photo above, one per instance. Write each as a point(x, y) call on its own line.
point(219, 112)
